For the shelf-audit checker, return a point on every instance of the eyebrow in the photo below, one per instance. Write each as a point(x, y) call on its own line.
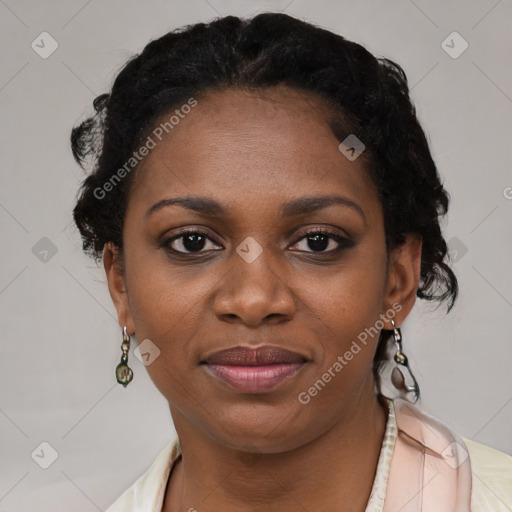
point(294, 207)
point(310, 204)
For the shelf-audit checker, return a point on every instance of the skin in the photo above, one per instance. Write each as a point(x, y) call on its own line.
point(251, 152)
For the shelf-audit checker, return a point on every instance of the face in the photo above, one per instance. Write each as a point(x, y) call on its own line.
point(281, 244)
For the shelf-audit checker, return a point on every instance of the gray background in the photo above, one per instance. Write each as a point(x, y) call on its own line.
point(60, 338)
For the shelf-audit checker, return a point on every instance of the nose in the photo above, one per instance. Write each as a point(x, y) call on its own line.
point(254, 293)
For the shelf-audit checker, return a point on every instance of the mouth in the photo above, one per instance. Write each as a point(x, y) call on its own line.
point(254, 370)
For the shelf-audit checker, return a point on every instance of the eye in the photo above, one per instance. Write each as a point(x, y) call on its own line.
point(321, 239)
point(196, 241)
point(187, 242)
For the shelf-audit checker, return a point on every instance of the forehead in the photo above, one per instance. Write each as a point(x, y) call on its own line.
point(234, 144)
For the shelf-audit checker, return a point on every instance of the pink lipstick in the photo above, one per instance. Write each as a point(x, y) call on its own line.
point(254, 370)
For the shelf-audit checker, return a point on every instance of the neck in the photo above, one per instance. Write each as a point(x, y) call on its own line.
point(333, 472)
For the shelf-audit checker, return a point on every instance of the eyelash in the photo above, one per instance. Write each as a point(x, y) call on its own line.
point(344, 243)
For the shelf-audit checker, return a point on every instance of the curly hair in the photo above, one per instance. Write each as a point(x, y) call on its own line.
point(365, 95)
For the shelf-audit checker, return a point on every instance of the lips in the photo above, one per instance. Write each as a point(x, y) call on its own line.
point(244, 356)
point(254, 370)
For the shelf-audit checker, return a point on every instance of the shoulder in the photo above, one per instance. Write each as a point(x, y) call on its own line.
point(147, 493)
point(491, 478)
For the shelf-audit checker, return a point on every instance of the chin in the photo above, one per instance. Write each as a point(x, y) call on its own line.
point(262, 429)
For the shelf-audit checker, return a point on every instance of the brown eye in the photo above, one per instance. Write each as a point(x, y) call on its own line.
point(189, 242)
point(320, 240)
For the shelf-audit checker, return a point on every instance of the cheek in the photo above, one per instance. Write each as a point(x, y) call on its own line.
point(167, 307)
point(346, 309)
point(162, 297)
point(350, 296)
point(346, 339)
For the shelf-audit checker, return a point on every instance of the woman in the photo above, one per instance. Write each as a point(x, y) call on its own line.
point(267, 211)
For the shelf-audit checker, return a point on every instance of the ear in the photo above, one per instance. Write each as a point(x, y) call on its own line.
point(117, 285)
point(404, 276)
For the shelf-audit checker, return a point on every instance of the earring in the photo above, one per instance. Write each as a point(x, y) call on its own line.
point(124, 373)
point(402, 376)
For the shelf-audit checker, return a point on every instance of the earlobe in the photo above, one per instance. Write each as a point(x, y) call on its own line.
point(404, 275)
point(116, 284)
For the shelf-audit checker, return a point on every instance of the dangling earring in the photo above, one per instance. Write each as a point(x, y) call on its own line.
point(402, 376)
point(124, 373)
